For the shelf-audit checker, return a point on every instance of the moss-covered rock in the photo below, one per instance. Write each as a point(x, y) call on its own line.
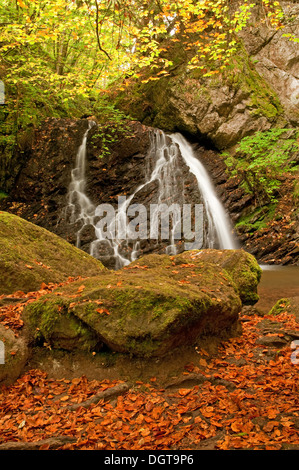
point(14, 353)
point(242, 267)
point(30, 255)
point(289, 305)
point(220, 109)
point(155, 304)
point(281, 305)
point(50, 321)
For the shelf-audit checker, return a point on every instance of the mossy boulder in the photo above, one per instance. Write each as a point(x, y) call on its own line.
point(14, 353)
point(242, 267)
point(30, 255)
point(148, 308)
point(51, 322)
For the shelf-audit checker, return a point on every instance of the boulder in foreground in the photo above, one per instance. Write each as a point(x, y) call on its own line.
point(148, 308)
point(30, 255)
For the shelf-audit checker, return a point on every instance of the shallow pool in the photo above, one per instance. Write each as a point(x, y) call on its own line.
point(277, 282)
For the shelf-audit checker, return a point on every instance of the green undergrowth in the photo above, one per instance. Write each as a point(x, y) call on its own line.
point(262, 159)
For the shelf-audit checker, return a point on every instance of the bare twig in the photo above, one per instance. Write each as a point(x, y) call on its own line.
point(105, 395)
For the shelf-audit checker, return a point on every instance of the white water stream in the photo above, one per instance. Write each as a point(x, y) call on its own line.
point(165, 153)
point(76, 197)
point(219, 226)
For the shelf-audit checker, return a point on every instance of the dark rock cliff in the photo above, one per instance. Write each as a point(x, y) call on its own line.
point(40, 192)
point(261, 93)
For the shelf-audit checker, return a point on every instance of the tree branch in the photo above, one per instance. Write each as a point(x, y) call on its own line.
point(51, 443)
point(98, 32)
point(105, 395)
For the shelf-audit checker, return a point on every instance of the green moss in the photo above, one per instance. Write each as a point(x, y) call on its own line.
point(262, 99)
point(49, 320)
point(248, 276)
point(31, 255)
point(257, 219)
point(280, 306)
point(42, 317)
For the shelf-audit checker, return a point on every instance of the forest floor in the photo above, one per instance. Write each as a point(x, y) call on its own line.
point(241, 394)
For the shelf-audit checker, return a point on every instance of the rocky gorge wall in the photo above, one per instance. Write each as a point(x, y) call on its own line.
point(261, 93)
point(40, 192)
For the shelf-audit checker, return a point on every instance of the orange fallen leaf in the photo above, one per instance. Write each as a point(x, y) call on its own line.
point(272, 413)
point(65, 398)
point(149, 406)
point(145, 432)
point(103, 310)
point(184, 391)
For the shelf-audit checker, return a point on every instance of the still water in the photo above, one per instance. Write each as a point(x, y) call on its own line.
point(277, 282)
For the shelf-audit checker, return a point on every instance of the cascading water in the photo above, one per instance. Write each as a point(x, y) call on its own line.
point(77, 201)
point(165, 157)
point(219, 227)
point(164, 160)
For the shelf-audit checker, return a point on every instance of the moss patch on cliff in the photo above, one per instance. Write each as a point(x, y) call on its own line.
point(262, 99)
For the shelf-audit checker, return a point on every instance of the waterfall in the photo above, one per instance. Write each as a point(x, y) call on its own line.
point(113, 239)
point(165, 156)
point(76, 198)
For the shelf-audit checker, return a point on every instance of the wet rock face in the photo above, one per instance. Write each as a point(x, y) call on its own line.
point(40, 192)
point(40, 189)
